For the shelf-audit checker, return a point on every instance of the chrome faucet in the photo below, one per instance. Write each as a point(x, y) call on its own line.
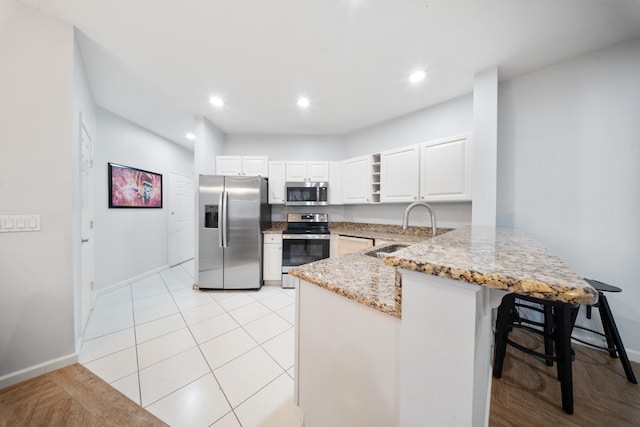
point(405, 220)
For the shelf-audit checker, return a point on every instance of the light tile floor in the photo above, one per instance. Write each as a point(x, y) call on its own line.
point(194, 358)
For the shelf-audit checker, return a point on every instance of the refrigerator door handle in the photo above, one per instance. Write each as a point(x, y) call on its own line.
point(225, 225)
point(220, 220)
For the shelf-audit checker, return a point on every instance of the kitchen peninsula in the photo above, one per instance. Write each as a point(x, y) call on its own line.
point(407, 340)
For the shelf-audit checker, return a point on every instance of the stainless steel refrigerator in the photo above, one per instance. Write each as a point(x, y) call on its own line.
point(234, 211)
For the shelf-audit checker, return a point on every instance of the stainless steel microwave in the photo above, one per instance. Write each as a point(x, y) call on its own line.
point(306, 193)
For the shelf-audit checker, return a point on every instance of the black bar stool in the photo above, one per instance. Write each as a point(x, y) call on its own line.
point(555, 329)
point(611, 334)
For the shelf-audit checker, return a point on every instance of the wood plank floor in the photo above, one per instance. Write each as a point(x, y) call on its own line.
point(528, 394)
point(72, 396)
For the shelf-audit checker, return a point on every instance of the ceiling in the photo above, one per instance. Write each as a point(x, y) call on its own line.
point(157, 63)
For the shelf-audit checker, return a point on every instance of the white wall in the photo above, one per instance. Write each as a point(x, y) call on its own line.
point(568, 155)
point(209, 143)
point(131, 242)
point(286, 147)
point(448, 118)
point(36, 281)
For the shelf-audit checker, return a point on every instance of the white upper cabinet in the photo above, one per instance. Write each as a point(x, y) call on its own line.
point(255, 166)
point(297, 171)
point(335, 183)
point(444, 170)
point(357, 180)
point(229, 165)
point(276, 182)
point(399, 174)
point(242, 165)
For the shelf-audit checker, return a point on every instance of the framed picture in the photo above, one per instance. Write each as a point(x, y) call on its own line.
point(134, 188)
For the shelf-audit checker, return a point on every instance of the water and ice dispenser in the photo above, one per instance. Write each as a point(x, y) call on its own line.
point(210, 216)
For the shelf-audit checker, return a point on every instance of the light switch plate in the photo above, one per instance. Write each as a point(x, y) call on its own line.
point(19, 223)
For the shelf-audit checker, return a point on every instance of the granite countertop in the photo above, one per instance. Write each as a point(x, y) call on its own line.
point(358, 277)
point(392, 233)
point(500, 258)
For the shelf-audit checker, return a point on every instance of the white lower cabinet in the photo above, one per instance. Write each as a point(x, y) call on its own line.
point(272, 257)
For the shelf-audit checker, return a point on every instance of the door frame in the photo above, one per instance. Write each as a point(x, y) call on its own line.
point(86, 292)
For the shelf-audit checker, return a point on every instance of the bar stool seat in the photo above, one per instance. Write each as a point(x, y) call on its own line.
point(555, 329)
point(611, 334)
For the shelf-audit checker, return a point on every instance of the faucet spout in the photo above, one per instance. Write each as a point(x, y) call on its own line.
point(405, 220)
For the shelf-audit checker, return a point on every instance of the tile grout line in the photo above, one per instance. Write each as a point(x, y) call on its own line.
point(205, 361)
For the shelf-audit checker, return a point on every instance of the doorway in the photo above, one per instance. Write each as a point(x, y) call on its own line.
point(181, 205)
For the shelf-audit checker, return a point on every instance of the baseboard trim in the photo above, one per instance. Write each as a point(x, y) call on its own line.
point(37, 370)
point(131, 280)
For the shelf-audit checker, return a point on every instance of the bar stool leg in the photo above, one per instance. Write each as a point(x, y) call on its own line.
point(606, 329)
point(611, 329)
point(502, 324)
point(563, 352)
point(548, 333)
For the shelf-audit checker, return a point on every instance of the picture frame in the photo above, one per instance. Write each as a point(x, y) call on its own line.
point(131, 187)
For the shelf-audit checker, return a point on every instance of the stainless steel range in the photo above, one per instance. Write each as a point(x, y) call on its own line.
point(307, 239)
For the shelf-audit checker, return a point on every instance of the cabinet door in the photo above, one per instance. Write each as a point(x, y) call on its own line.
point(272, 263)
point(296, 171)
point(318, 171)
point(255, 166)
point(400, 174)
point(276, 182)
point(444, 170)
point(357, 180)
point(352, 244)
point(335, 183)
point(228, 165)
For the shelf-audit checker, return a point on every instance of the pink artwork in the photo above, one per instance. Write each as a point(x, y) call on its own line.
point(134, 188)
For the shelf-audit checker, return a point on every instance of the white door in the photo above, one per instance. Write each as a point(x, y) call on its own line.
point(181, 232)
point(87, 293)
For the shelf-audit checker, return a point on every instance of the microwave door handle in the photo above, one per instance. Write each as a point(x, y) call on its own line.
point(220, 221)
point(225, 221)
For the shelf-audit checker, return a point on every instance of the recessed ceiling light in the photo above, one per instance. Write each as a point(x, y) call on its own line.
point(217, 101)
point(190, 136)
point(303, 102)
point(417, 76)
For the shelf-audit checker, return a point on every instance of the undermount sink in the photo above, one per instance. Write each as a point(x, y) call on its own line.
point(386, 250)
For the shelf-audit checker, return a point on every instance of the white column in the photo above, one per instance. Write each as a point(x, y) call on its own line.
point(485, 147)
